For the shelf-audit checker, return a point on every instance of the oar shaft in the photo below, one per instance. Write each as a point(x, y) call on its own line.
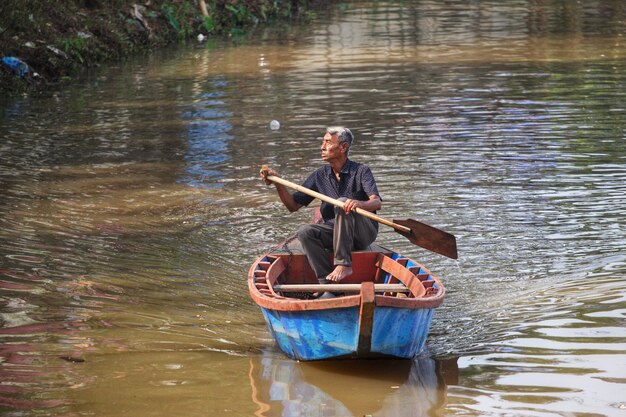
point(337, 203)
point(338, 288)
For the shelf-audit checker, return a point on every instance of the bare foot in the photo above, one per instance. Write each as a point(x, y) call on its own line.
point(339, 273)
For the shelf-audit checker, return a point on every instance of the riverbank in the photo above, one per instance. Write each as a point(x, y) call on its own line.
point(44, 43)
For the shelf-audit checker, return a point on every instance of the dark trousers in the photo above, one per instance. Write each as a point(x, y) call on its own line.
point(350, 232)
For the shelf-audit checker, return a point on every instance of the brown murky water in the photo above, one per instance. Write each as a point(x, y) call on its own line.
point(130, 210)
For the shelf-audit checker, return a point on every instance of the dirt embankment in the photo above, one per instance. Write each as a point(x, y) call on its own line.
point(44, 42)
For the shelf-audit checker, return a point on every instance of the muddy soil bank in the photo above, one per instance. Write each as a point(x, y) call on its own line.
point(44, 43)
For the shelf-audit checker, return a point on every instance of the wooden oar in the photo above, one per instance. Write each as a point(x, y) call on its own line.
point(420, 234)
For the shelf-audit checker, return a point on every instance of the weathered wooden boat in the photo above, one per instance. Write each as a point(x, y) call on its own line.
point(384, 310)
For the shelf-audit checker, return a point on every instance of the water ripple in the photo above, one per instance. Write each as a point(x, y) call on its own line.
point(131, 206)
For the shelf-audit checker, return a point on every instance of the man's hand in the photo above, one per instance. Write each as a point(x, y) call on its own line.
point(373, 204)
point(351, 205)
point(265, 171)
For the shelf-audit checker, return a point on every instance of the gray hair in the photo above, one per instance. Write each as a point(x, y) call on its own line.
point(343, 134)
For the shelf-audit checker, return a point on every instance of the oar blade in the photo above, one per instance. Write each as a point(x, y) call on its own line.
point(429, 237)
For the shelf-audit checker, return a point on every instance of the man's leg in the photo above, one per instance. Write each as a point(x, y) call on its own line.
point(352, 232)
point(315, 239)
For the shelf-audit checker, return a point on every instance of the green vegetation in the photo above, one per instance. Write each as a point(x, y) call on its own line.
point(58, 38)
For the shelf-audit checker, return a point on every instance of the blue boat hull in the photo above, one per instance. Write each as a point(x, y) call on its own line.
point(327, 334)
point(313, 335)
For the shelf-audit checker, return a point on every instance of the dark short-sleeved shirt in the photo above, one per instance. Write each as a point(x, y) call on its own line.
point(356, 182)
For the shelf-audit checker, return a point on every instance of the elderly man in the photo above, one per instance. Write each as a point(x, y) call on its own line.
point(342, 230)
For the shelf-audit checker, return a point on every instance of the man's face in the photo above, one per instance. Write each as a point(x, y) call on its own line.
point(331, 149)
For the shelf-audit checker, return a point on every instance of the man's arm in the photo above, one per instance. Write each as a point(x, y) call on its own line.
point(287, 198)
point(285, 195)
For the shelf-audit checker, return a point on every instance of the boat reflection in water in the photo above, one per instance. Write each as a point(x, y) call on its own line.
point(403, 388)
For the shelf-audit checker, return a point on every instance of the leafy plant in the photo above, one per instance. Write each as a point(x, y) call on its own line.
point(238, 11)
point(170, 15)
point(75, 47)
point(208, 23)
point(178, 18)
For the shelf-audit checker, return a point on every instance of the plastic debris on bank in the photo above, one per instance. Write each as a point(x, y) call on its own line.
point(17, 65)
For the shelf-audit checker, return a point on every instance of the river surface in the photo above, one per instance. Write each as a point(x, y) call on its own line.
point(131, 209)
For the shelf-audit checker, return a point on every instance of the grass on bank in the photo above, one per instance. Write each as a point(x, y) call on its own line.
point(58, 38)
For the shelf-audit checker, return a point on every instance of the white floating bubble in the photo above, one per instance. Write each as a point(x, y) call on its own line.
point(274, 125)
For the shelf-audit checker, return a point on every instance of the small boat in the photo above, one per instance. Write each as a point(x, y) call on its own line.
point(384, 309)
